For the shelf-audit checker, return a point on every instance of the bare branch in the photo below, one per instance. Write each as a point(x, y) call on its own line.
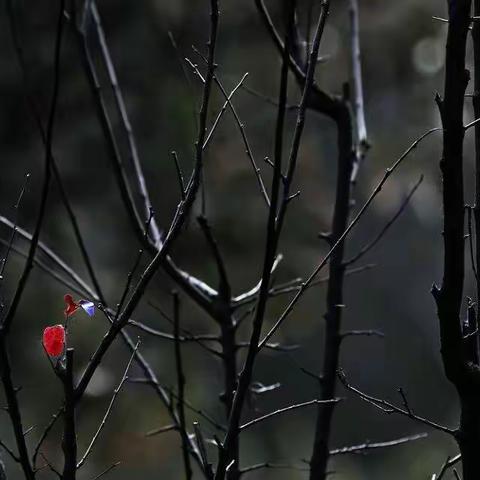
point(362, 144)
point(274, 223)
point(365, 447)
point(388, 407)
point(54, 258)
point(365, 333)
point(224, 288)
point(178, 169)
point(158, 431)
point(45, 433)
point(288, 310)
point(9, 451)
point(89, 449)
point(108, 470)
point(181, 387)
point(7, 321)
point(181, 214)
point(240, 126)
point(449, 462)
point(14, 229)
point(386, 227)
point(200, 442)
point(284, 410)
point(69, 440)
point(223, 109)
point(128, 131)
point(273, 466)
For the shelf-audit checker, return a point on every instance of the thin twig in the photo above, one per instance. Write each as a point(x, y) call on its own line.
point(181, 387)
point(200, 442)
point(14, 229)
point(293, 286)
point(9, 451)
point(45, 433)
point(126, 125)
point(185, 76)
point(386, 227)
point(470, 241)
point(364, 333)
point(388, 407)
point(224, 288)
point(7, 321)
point(274, 223)
point(108, 470)
point(158, 431)
point(284, 410)
point(273, 466)
point(222, 111)
point(288, 310)
point(51, 467)
point(365, 447)
point(178, 169)
point(449, 462)
point(241, 128)
point(194, 287)
point(180, 217)
point(89, 449)
point(131, 273)
point(52, 256)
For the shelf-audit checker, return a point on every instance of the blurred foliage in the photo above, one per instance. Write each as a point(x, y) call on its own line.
point(402, 64)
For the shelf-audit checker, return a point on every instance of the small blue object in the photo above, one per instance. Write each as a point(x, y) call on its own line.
point(88, 306)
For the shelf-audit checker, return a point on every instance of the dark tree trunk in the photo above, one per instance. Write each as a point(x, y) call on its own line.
point(229, 351)
point(459, 358)
point(469, 436)
point(333, 315)
point(69, 441)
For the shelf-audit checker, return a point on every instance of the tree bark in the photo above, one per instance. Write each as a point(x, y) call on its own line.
point(459, 358)
point(229, 350)
point(333, 316)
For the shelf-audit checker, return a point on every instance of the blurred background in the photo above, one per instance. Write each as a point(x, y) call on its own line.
point(403, 59)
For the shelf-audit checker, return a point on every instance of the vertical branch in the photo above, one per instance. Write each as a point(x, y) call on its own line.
point(476, 110)
point(126, 125)
point(47, 174)
point(96, 436)
point(181, 277)
point(196, 289)
point(228, 329)
point(5, 366)
point(358, 103)
point(13, 408)
point(348, 164)
point(108, 133)
point(333, 315)
point(227, 449)
point(449, 297)
point(69, 441)
point(4, 260)
point(180, 386)
point(459, 365)
point(38, 120)
point(349, 157)
point(227, 338)
point(229, 358)
point(181, 215)
point(275, 220)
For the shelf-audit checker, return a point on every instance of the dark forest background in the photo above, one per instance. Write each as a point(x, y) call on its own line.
point(403, 55)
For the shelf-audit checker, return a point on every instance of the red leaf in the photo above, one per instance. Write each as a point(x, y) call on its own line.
point(71, 307)
point(54, 340)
